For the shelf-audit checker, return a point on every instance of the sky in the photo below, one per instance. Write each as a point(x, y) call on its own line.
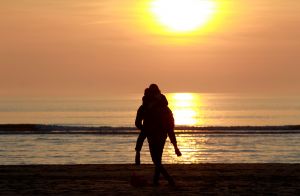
point(94, 47)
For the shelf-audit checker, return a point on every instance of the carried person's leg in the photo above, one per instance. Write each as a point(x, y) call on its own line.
point(138, 147)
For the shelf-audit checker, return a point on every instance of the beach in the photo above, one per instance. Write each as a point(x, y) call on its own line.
point(115, 179)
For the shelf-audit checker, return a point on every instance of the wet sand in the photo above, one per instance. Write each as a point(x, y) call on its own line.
point(197, 179)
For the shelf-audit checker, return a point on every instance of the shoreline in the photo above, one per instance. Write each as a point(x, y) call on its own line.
point(114, 179)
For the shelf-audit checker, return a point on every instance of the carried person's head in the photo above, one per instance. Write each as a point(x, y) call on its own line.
point(147, 92)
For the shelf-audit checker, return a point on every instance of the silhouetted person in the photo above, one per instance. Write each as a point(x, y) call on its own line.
point(156, 122)
point(147, 101)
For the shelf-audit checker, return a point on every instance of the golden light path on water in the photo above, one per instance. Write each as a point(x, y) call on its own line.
point(186, 108)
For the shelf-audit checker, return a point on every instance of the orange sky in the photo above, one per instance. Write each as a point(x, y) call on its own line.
point(77, 47)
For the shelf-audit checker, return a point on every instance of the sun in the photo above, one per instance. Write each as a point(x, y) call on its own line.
point(182, 15)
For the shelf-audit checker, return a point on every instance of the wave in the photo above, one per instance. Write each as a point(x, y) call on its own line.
point(73, 129)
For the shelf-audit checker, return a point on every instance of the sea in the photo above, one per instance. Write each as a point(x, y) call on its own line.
point(210, 128)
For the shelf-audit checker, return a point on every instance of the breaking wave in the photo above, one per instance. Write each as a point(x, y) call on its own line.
point(78, 129)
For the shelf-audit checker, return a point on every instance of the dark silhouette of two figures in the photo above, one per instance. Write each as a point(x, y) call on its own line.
point(155, 121)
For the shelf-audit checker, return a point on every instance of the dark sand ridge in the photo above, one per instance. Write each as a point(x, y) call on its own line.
point(197, 179)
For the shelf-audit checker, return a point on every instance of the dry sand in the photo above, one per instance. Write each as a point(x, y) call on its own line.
point(200, 179)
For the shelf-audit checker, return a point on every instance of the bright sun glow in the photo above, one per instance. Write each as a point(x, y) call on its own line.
point(183, 15)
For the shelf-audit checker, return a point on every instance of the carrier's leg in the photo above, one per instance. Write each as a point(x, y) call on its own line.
point(156, 150)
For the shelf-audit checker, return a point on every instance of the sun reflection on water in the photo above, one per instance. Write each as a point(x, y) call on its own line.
point(186, 108)
point(192, 148)
point(187, 111)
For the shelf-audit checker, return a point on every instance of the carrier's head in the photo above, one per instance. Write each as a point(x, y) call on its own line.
point(153, 88)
